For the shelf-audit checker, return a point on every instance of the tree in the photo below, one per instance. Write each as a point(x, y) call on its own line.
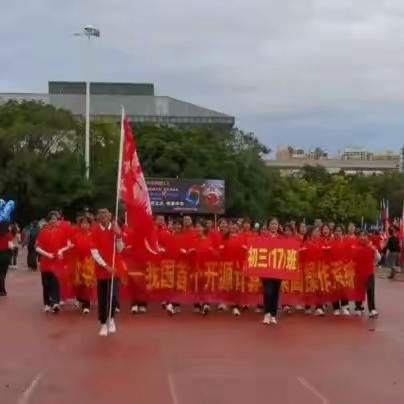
point(315, 173)
point(297, 200)
point(338, 201)
point(40, 158)
point(42, 168)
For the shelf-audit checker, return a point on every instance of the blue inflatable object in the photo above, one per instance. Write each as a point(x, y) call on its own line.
point(6, 209)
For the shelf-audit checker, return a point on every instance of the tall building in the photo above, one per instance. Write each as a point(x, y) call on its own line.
point(139, 100)
point(356, 154)
point(290, 161)
point(386, 155)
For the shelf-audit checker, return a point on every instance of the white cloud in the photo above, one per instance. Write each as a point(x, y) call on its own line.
point(265, 61)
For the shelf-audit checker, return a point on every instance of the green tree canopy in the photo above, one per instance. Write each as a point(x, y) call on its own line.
point(42, 168)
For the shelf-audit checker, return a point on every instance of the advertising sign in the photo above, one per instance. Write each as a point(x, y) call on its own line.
point(177, 195)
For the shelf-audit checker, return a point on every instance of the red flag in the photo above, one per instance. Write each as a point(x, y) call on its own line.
point(135, 195)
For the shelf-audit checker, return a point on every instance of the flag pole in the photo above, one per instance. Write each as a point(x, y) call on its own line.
point(118, 188)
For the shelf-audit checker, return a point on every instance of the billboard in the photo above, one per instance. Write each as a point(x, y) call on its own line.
point(178, 195)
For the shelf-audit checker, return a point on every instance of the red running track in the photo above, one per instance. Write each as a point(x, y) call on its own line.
point(188, 359)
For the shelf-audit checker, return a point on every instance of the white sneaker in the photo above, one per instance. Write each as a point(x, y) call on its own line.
point(117, 310)
point(111, 326)
point(222, 307)
point(142, 309)
point(358, 313)
point(274, 321)
point(345, 311)
point(287, 309)
point(170, 309)
point(236, 312)
point(55, 308)
point(337, 312)
point(47, 309)
point(205, 309)
point(104, 331)
point(86, 311)
point(373, 314)
point(319, 312)
point(134, 309)
point(267, 319)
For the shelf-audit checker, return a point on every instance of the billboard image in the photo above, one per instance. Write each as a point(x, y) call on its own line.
point(177, 195)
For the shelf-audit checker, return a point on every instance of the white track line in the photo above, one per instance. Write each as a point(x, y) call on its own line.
point(312, 389)
point(24, 399)
point(173, 389)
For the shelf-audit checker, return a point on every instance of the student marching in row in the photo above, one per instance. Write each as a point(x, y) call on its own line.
point(232, 239)
point(93, 249)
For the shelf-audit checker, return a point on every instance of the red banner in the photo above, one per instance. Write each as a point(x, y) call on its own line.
point(273, 258)
point(324, 275)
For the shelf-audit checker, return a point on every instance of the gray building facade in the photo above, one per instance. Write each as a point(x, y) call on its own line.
point(139, 100)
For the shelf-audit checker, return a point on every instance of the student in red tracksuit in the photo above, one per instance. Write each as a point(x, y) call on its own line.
point(326, 235)
point(302, 231)
point(371, 256)
point(176, 247)
point(264, 232)
point(224, 231)
point(163, 234)
point(212, 233)
point(289, 233)
point(271, 287)
point(202, 251)
point(105, 233)
point(326, 242)
point(337, 245)
point(233, 247)
point(83, 264)
point(188, 227)
point(246, 232)
point(350, 239)
point(51, 245)
point(314, 243)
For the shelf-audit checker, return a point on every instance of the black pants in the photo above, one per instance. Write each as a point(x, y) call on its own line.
point(32, 259)
point(370, 293)
point(14, 256)
point(339, 304)
point(104, 296)
point(50, 288)
point(271, 289)
point(4, 264)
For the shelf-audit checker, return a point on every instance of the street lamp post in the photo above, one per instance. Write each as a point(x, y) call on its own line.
point(88, 31)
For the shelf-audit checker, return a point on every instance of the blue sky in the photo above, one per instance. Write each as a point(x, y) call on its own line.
point(309, 73)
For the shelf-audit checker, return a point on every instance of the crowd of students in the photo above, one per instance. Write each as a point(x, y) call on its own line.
point(93, 248)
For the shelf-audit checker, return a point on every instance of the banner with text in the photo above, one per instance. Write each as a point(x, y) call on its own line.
point(275, 258)
point(324, 276)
